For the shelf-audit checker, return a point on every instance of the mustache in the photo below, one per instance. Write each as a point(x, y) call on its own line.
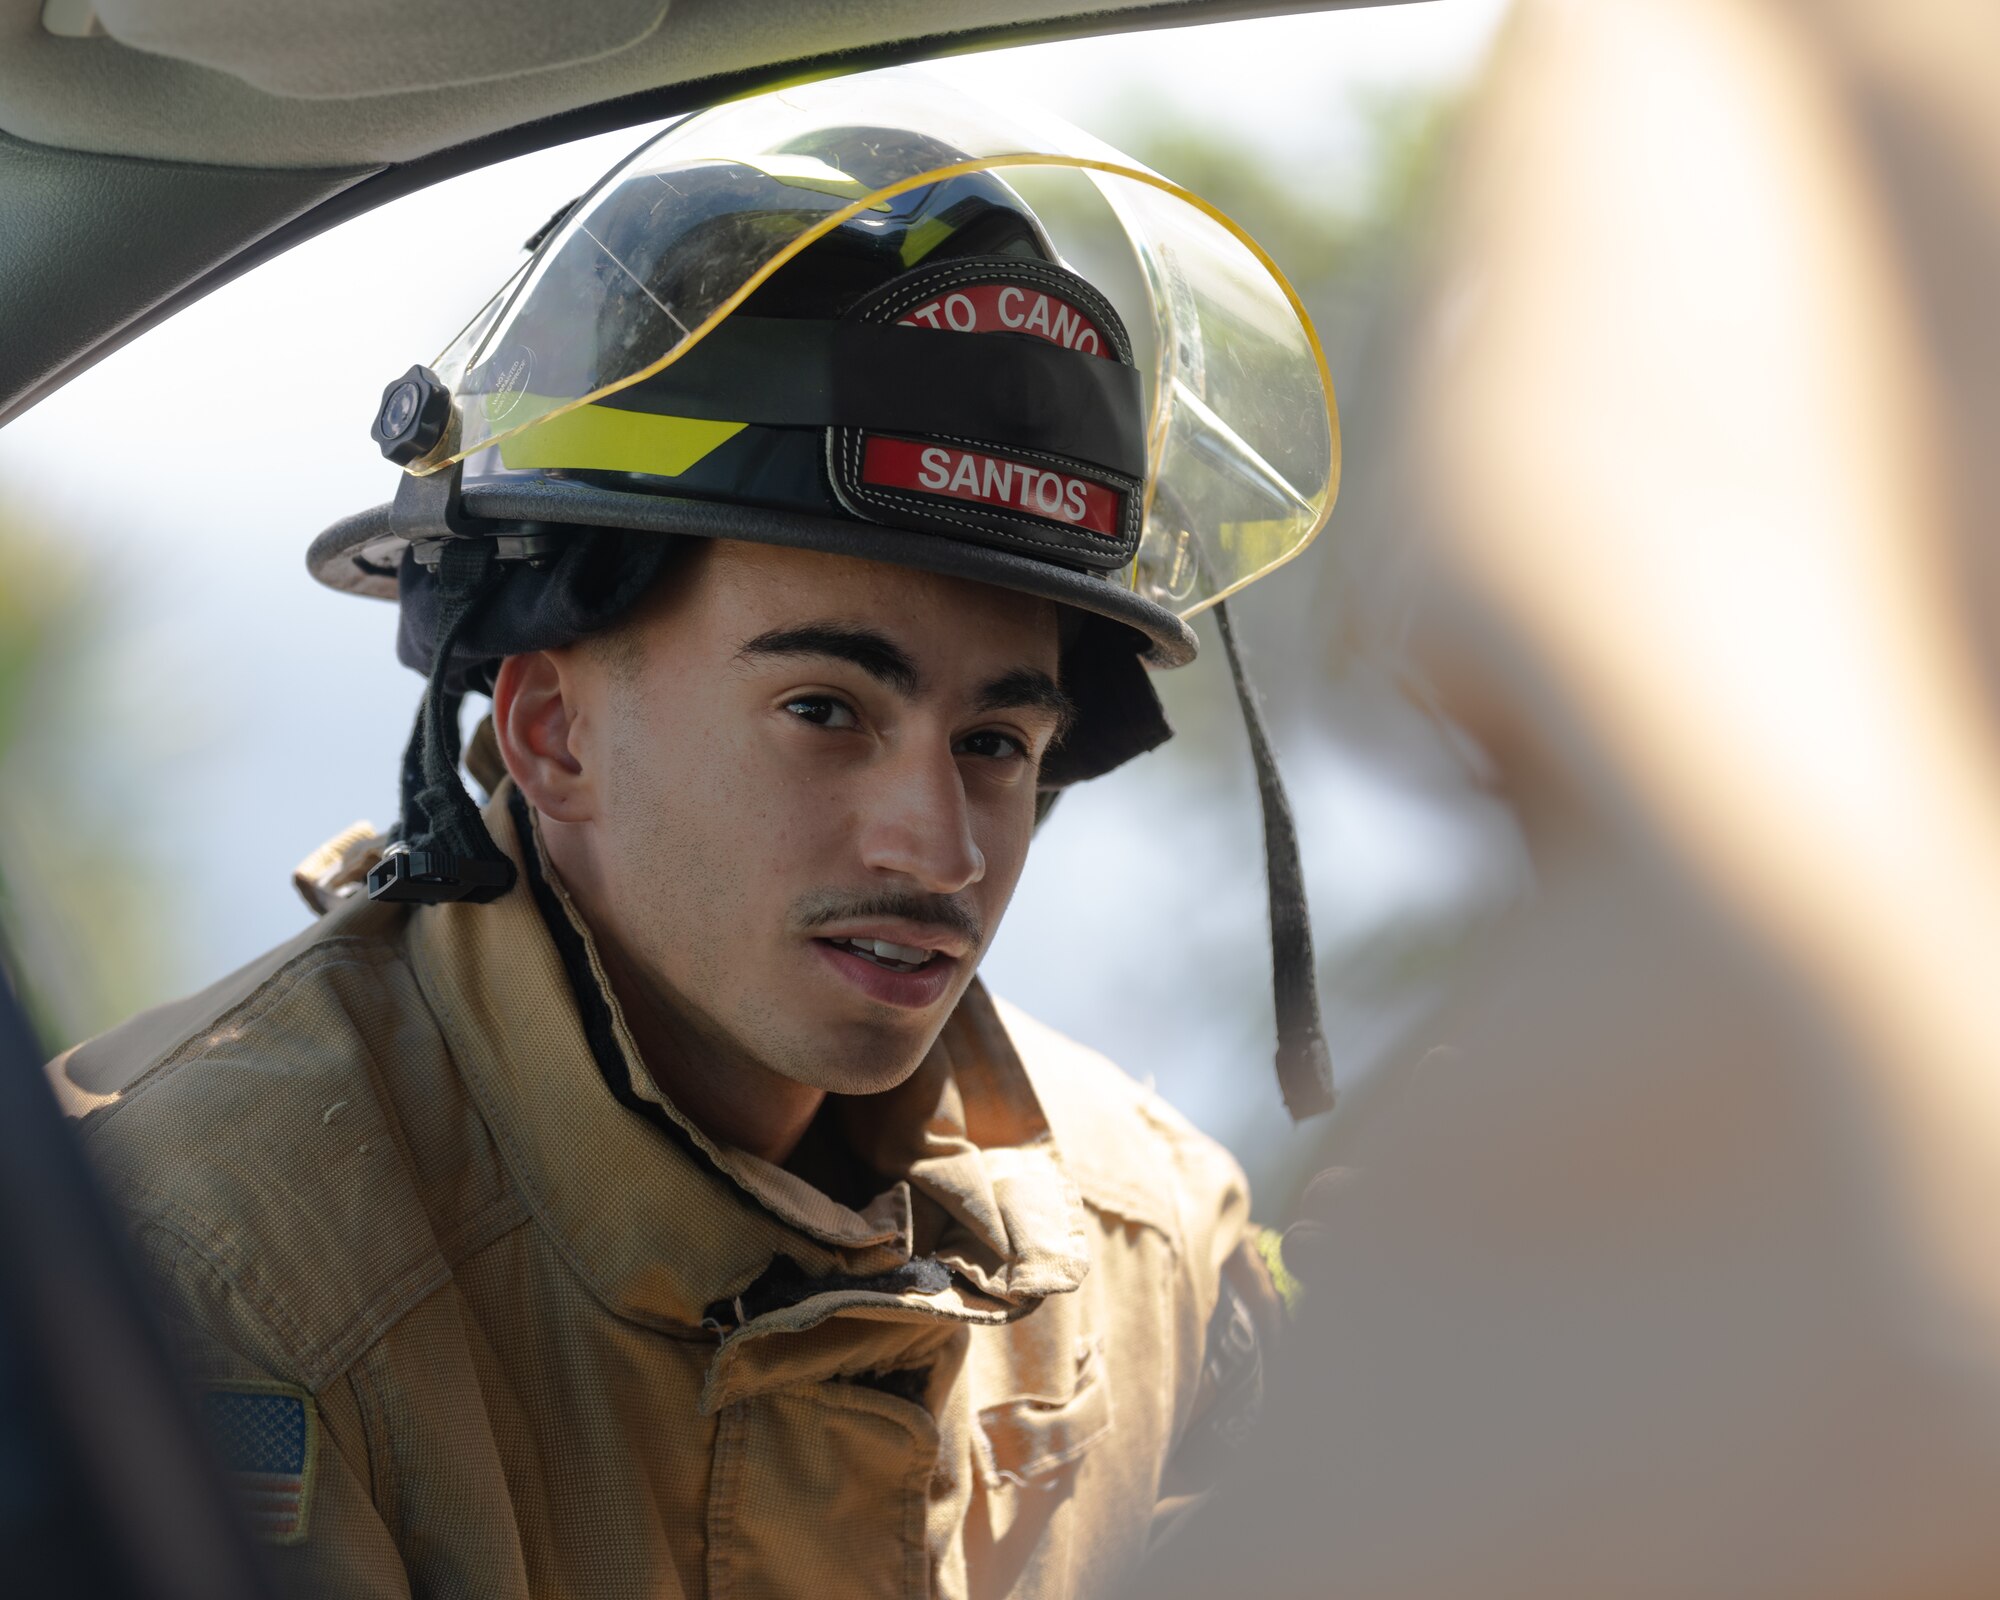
point(825, 906)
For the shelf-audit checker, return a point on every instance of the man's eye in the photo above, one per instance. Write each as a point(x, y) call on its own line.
point(823, 711)
point(993, 745)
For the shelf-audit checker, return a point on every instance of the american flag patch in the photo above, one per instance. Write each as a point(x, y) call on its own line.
point(264, 1437)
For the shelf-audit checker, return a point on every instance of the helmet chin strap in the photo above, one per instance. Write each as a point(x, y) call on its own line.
point(443, 850)
point(1305, 1069)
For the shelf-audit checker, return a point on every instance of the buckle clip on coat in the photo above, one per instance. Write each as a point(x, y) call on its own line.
point(430, 876)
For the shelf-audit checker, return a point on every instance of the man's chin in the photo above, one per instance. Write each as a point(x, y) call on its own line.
point(851, 1058)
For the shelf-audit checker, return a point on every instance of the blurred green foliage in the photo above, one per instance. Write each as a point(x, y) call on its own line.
point(1323, 227)
point(80, 931)
point(1322, 639)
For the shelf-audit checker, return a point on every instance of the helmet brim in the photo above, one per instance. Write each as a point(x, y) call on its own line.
point(361, 554)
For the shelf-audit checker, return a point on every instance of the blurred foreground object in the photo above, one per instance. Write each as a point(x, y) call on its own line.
point(105, 1493)
point(1673, 1272)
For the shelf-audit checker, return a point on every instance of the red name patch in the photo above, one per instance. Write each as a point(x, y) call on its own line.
point(1008, 308)
point(993, 481)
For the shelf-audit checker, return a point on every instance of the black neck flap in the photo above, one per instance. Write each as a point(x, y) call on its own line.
point(1305, 1069)
point(443, 851)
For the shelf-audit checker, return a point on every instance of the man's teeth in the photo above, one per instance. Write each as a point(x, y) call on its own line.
point(916, 955)
point(899, 955)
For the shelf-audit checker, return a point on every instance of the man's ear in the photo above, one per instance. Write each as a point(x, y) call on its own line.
point(537, 724)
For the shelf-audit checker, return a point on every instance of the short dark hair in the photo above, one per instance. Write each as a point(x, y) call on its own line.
point(619, 644)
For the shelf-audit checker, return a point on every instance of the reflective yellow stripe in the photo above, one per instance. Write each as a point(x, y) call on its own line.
point(925, 237)
point(605, 439)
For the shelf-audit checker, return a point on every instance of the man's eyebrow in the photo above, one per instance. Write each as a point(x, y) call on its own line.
point(1030, 687)
point(874, 653)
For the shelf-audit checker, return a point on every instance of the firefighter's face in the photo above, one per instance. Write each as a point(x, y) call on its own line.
point(795, 795)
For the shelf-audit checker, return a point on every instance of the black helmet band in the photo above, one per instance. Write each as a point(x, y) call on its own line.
point(1031, 439)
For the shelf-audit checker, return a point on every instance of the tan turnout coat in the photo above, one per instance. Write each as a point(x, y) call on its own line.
point(555, 1345)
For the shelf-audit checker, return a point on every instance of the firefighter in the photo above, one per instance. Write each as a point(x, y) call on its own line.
point(628, 1187)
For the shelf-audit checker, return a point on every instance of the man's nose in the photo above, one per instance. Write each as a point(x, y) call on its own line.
point(917, 824)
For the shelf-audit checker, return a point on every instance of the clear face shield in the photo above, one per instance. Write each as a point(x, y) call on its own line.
point(1241, 435)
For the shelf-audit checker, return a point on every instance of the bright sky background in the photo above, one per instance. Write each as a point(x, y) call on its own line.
point(256, 714)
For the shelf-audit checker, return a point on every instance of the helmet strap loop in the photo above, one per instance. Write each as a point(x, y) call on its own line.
point(444, 851)
point(1305, 1070)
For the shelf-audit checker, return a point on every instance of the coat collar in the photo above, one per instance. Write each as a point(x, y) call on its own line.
point(661, 1222)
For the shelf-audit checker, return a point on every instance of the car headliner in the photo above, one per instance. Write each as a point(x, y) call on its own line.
point(136, 180)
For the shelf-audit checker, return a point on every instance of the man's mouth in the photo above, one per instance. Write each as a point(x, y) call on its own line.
point(896, 957)
point(910, 962)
